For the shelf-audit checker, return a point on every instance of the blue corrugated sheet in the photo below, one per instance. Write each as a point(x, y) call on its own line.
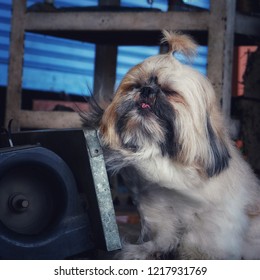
point(61, 65)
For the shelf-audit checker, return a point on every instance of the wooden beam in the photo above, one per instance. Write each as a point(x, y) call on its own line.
point(116, 21)
point(48, 119)
point(15, 69)
point(105, 73)
point(105, 66)
point(220, 49)
point(229, 35)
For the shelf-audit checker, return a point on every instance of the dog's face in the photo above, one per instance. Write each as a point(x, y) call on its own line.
point(165, 108)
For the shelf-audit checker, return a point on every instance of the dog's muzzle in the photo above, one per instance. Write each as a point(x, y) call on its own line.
point(148, 96)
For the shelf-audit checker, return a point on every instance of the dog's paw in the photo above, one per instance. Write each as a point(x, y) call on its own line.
point(136, 252)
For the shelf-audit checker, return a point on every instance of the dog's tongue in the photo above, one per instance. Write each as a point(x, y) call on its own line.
point(145, 105)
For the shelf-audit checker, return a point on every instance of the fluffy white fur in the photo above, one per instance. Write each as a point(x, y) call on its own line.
point(196, 218)
point(197, 197)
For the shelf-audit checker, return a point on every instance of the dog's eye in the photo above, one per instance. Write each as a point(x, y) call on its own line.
point(132, 86)
point(168, 91)
point(135, 87)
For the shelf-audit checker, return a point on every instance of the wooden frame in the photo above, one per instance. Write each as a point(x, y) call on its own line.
point(220, 23)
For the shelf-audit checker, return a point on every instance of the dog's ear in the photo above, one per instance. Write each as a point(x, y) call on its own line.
point(91, 118)
point(218, 158)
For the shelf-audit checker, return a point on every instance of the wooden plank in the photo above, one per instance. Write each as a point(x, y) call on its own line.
point(220, 49)
point(15, 69)
point(116, 21)
point(105, 66)
point(49, 119)
point(229, 35)
point(105, 73)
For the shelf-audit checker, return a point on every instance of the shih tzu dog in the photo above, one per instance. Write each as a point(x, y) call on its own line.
point(196, 196)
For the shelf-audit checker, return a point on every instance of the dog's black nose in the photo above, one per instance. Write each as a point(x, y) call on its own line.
point(147, 92)
point(150, 89)
point(148, 96)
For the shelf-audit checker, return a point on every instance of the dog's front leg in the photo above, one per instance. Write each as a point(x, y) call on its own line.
point(160, 228)
point(152, 249)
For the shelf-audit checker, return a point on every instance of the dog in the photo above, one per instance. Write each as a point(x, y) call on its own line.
point(196, 196)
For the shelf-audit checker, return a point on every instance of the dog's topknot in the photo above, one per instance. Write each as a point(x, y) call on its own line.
point(179, 42)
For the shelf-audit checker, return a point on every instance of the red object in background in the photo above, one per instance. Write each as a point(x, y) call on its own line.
point(239, 144)
point(239, 67)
